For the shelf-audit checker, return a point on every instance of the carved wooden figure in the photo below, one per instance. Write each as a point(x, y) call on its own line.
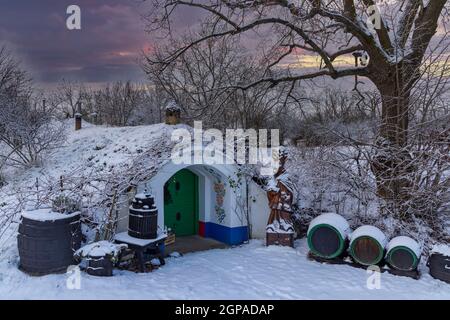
point(279, 228)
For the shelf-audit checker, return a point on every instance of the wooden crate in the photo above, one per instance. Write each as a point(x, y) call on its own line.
point(280, 239)
point(170, 239)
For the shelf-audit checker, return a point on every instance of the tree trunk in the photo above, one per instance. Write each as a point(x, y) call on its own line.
point(392, 163)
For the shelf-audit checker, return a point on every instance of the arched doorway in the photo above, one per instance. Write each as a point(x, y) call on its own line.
point(181, 212)
point(218, 210)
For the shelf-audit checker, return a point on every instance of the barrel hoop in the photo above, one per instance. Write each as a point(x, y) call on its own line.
point(135, 231)
point(138, 215)
point(341, 241)
point(415, 258)
point(352, 252)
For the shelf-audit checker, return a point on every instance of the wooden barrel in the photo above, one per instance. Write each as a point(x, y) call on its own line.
point(367, 245)
point(143, 223)
point(143, 217)
point(403, 253)
point(47, 241)
point(327, 235)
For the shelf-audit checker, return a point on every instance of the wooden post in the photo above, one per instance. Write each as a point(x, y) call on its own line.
point(78, 117)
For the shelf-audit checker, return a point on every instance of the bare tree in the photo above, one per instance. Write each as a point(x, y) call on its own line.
point(155, 99)
point(27, 128)
point(395, 35)
point(117, 103)
point(201, 81)
point(69, 97)
point(14, 82)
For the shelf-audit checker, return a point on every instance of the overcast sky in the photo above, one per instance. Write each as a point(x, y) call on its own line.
point(106, 49)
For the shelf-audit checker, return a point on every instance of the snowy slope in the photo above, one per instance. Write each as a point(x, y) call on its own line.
point(94, 151)
point(251, 271)
point(101, 148)
point(99, 152)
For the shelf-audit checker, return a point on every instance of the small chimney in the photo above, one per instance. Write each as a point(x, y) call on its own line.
point(173, 113)
point(78, 117)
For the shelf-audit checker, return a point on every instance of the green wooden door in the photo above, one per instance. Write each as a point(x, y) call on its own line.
point(180, 203)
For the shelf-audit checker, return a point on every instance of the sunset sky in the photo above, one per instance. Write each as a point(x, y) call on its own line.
point(106, 49)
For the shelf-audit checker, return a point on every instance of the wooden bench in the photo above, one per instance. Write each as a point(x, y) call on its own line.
point(140, 246)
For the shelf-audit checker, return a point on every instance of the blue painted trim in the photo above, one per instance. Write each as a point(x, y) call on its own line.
point(162, 248)
point(230, 236)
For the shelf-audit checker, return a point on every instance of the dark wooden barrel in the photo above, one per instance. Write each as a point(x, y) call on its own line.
point(48, 246)
point(327, 235)
point(367, 244)
point(100, 266)
point(439, 265)
point(403, 253)
point(143, 218)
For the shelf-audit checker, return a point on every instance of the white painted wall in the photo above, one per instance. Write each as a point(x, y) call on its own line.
point(259, 210)
point(258, 205)
point(207, 194)
point(123, 204)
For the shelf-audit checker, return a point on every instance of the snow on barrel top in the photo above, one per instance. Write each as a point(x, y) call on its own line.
point(370, 231)
point(403, 241)
point(47, 214)
point(333, 219)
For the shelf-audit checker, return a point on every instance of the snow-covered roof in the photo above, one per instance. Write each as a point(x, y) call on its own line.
point(112, 151)
point(101, 159)
point(172, 106)
point(106, 158)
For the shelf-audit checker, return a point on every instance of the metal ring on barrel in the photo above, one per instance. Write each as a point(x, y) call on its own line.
point(403, 253)
point(367, 244)
point(327, 235)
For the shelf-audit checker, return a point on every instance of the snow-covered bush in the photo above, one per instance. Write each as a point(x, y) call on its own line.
point(66, 203)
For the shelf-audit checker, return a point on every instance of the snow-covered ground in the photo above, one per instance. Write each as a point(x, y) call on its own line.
point(251, 271)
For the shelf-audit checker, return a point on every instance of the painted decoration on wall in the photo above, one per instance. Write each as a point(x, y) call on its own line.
point(219, 189)
point(214, 173)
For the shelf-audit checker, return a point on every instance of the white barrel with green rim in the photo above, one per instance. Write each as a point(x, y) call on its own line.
point(327, 235)
point(367, 244)
point(403, 253)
